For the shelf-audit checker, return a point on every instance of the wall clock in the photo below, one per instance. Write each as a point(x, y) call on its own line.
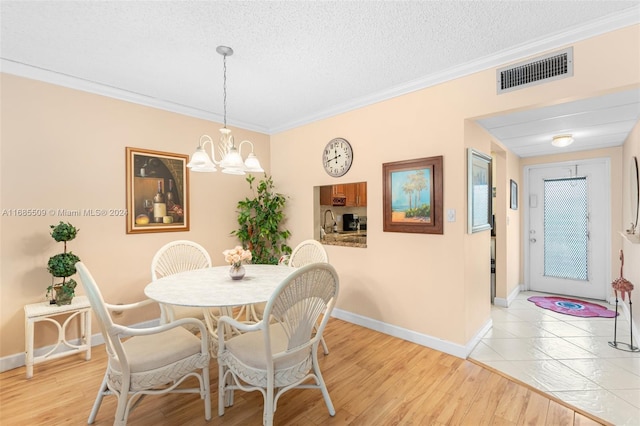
point(337, 157)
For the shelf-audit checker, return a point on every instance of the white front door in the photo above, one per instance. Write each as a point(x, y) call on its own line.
point(569, 228)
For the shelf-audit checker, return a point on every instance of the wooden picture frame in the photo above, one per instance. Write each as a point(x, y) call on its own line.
point(478, 191)
point(514, 195)
point(148, 172)
point(412, 196)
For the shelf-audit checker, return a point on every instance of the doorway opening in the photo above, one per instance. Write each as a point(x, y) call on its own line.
point(567, 232)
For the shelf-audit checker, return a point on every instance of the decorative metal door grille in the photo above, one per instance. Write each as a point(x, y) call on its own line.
point(566, 228)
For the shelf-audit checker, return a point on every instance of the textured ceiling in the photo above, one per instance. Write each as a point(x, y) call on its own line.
point(294, 62)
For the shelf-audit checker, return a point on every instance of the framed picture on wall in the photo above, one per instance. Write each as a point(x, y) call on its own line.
point(157, 191)
point(412, 196)
point(514, 195)
point(478, 191)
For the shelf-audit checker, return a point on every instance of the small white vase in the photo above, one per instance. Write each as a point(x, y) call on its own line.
point(237, 272)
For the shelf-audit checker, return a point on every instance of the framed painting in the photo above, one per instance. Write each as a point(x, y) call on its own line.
point(478, 191)
point(514, 195)
point(412, 196)
point(157, 191)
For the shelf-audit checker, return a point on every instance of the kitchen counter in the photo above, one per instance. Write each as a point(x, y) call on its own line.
point(346, 239)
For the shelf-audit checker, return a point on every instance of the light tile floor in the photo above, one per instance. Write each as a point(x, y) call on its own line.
point(566, 356)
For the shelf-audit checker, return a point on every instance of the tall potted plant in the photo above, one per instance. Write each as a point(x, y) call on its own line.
point(62, 265)
point(260, 219)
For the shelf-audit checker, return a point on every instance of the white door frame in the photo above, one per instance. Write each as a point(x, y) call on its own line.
point(525, 205)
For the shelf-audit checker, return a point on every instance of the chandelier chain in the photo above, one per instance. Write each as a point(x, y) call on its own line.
point(224, 88)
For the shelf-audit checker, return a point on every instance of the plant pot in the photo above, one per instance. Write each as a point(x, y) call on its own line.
point(62, 297)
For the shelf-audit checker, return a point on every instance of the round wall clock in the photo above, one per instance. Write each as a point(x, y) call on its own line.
point(337, 157)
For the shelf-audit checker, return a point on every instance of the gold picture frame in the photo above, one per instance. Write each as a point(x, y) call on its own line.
point(148, 173)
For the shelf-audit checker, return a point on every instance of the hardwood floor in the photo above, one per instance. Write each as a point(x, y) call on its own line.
point(373, 379)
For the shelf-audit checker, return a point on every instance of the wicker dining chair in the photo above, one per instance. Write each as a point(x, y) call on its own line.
point(277, 355)
point(305, 253)
point(172, 258)
point(147, 361)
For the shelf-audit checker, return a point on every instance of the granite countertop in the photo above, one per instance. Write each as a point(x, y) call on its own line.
point(346, 239)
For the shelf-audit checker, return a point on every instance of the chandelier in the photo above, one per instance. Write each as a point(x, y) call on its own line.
point(232, 162)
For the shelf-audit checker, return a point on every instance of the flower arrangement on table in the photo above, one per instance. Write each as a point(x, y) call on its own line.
point(235, 257)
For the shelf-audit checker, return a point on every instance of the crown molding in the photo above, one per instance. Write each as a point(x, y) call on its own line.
point(601, 26)
point(19, 69)
point(597, 27)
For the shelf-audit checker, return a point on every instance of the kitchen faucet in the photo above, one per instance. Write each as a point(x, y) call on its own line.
point(333, 218)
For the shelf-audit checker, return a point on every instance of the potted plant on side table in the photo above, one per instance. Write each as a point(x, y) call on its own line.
point(62, 265)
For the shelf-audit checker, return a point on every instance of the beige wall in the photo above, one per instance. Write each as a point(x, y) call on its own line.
point(437, 285)
point(65, 149)
point(631, 251)
point(508, 224)
point(374, 281)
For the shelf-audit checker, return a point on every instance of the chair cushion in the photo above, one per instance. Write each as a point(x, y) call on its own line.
point(158, 350)
point(259, 308)
point(249, 348)
point(180, 312)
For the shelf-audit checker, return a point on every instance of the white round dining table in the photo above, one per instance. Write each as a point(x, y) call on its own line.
point(213, 287)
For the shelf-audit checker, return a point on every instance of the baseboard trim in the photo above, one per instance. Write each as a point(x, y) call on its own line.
point(18, 360)
point(504, 303)
point(461, 351)
point(436, 343)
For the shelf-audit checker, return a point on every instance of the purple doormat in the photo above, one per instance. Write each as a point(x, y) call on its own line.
point(575, 307)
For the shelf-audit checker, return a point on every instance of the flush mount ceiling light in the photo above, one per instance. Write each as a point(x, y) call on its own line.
point(231, 162)
point(561, 141)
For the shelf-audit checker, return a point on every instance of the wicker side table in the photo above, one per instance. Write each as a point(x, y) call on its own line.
point(44, 311)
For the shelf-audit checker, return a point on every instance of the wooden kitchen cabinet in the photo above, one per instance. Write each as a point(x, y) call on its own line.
point(345, 194)
point(362, 193)
point(356, 194)
point(339, 189)
point(350, 194)
point(325, 195)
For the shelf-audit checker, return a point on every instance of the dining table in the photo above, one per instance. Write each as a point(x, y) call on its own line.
point(214, 288)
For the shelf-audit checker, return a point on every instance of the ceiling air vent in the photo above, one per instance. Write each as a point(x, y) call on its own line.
point(553, 66)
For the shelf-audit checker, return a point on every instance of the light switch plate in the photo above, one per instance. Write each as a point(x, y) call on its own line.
point(451, 215)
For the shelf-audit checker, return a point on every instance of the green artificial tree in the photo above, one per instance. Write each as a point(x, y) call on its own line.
point(62, 265)
point(260, 219)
